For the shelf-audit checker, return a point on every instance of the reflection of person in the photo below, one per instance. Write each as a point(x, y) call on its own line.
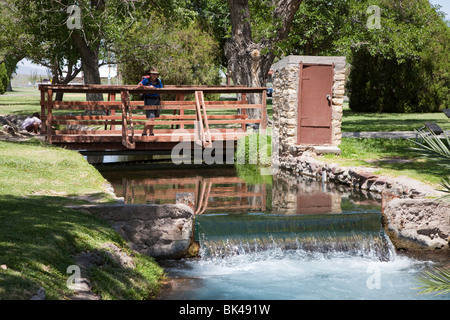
point(151, 80)
point(32, 124)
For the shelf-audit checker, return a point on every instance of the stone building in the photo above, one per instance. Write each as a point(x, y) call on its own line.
point(290, 126)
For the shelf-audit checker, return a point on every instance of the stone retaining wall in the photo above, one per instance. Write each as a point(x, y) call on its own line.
point(412, 220)
point(417, 224)
point(359, 177)
point(160, 231)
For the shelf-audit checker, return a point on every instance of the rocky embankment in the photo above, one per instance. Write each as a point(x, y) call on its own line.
point(413, 215)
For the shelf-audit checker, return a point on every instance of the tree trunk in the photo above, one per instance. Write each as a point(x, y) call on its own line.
point(11, 62)
point(89, 62)
point(246, 63)
point(72, 72)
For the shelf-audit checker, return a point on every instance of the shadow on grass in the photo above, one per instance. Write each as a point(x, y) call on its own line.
point(39, 240)
point(373, 122)
point(392, 154)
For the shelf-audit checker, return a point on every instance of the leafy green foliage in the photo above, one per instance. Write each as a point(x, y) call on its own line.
point(401, 66)
point(317, 27)
point(254, 148)
point(431, 146)
point(183, 54)
point(3, 78)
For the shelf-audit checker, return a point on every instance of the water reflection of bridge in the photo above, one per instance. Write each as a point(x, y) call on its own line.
point(218, 189)
point(203, 194)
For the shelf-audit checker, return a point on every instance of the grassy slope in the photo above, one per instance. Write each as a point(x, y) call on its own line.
point(40, 238)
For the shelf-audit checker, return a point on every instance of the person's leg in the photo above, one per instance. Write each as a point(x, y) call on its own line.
point(148, 125)
point(36, 127)
point(33, 128)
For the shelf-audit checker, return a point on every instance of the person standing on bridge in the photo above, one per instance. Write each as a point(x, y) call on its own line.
point(151, 80)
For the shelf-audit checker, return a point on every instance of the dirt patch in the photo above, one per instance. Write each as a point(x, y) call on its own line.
point(393, 159)
point(10, 129)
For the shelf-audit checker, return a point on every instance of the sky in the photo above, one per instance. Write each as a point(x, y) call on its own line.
point(445, 6)
point(26, 67)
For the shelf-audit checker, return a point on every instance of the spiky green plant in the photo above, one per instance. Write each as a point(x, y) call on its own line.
point(435, 281)
point(432, 147)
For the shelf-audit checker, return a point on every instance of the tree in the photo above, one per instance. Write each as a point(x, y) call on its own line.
point(250, 55)
point(183, 53)
point(317, 28)
point(42, 36)
point(13, 39)
point(399, 67)
point(61, 34)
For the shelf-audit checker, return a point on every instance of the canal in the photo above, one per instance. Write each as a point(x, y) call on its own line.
point(273, 237)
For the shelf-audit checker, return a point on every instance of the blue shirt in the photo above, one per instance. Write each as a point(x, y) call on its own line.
point(146, 82)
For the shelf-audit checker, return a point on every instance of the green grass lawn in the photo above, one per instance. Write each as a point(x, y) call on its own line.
point(392, 157)
point(40, 237)
point(373, 122)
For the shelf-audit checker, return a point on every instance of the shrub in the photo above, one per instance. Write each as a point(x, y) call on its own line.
point(4, 79)
point(378, 84)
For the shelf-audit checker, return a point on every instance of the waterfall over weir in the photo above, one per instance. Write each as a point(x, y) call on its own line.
point(355, 234)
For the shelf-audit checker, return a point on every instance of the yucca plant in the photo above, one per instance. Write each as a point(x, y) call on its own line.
point(432, 147)
point(436, 281)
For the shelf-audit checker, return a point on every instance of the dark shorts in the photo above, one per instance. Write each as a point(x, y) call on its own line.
point(152, 102)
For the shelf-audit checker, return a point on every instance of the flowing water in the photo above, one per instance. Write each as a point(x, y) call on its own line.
point(274, 237)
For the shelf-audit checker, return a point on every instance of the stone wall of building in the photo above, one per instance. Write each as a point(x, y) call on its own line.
point(285, 101)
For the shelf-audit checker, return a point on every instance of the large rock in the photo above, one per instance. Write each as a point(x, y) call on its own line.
point(161, 231)
point(417, 224)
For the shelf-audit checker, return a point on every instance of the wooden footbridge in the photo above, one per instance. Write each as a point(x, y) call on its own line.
point(117, 123)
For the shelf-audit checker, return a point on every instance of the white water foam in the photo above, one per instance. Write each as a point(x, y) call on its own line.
point(276, 274)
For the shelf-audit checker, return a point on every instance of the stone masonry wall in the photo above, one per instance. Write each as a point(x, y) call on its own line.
point(285, 100)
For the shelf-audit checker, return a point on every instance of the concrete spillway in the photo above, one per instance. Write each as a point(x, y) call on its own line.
point(225, 235)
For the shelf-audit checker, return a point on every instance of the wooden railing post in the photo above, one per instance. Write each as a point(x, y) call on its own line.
point(43, 106)
point(202, 118)
point(264, 110)
point(126, 113)
point(243, 111)
point(111, 97)
point(49, 115)
point(179, 97)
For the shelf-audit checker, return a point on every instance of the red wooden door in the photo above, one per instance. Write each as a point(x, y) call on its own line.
point(317, 203)
point(314, 110)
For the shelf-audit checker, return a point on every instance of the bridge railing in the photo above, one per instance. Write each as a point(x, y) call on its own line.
point(119, 119)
